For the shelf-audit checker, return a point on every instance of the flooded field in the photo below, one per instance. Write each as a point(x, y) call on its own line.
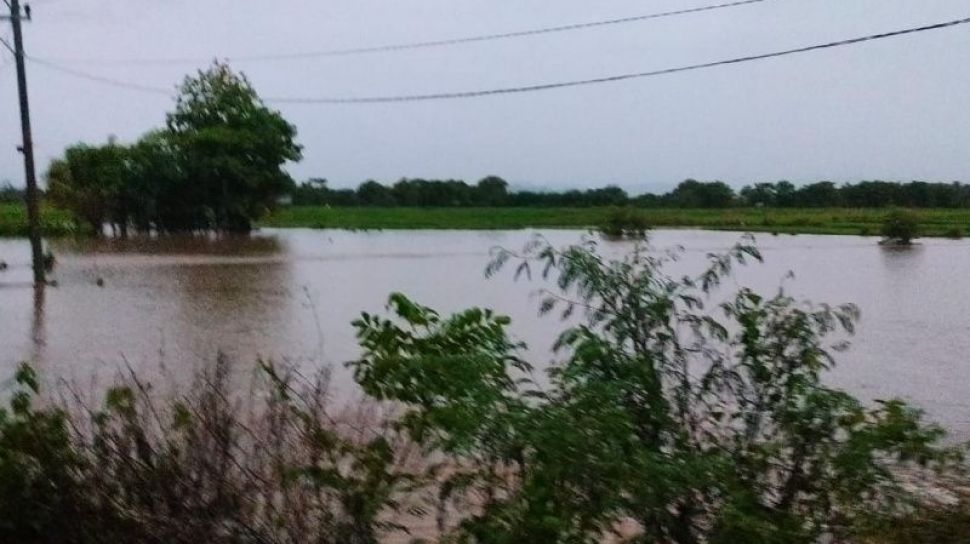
point(289, 295)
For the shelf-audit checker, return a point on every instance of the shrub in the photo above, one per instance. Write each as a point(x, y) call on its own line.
point(40, 499)
point(695, 428)
point(203, 467)
point(900, 227)
point(625, 223)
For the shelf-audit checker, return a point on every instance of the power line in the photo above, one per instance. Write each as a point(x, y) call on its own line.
point(535, 87)
point(99, 79)
point(34, 228)
point(422, 44)
point(614, 78)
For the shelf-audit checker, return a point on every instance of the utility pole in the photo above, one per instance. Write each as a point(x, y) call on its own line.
point(27, 148)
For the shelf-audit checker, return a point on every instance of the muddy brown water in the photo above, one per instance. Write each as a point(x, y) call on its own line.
point(167, 306)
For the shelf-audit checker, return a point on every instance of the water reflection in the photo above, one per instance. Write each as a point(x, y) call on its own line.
point(183, 245)
point(280, 294)
point(902, 259)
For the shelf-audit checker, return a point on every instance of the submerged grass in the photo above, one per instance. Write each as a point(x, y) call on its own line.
point(865, 222)
point(278, 465)
point(950, 223)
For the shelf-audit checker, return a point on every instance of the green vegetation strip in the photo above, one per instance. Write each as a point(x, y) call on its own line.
point(933, 222)
point(13, 221)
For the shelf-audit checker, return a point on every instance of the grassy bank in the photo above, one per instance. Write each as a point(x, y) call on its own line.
point(13, 221)
point(933, 222)
point(802, 221)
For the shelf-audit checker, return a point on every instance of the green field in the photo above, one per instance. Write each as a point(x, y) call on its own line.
point(802, 221)
point(13, 221)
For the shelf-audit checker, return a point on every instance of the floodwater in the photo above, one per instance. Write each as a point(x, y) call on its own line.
point(168, 306)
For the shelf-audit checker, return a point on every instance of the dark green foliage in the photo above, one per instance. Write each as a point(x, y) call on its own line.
point(696, 194)
point(493, 192)
point(233, 147)
point(200, 468)
point(625, 223)
point(39, 500)
point(697, 428)
point(864, 194)
point(217, 165)
point(371, 193)
point(90, 183)
point(900, 227)
point(316, 192)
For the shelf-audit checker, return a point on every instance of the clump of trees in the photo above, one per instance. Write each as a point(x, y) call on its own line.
point(494, 191)
point(683, 423)
point(217, 164)
point(865, 194)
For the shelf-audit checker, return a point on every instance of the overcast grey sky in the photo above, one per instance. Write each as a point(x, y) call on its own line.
point(895, 109)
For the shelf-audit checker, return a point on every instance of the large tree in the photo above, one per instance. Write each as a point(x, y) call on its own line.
point(233, 147)
point(218, 164)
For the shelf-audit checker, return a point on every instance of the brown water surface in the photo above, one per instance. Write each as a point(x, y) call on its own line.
point(290, 295)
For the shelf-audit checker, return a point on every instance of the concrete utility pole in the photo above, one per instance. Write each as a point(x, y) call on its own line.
point(27, 148)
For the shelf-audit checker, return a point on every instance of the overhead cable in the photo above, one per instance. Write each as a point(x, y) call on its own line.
point(342, 52)
point(533, 87)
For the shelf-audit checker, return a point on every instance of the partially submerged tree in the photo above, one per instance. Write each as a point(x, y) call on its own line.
point(217, 165)
point(90, 182)
point(900, 227)
point(625, 223)
point(232, 145)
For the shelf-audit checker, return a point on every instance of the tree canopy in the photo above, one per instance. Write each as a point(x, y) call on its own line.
point(217, 164)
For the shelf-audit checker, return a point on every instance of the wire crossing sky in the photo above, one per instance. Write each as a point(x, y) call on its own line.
point(420, 44)
point(534, 87)
point(616, 78)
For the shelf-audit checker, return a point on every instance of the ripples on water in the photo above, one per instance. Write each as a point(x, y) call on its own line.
point(290, 295)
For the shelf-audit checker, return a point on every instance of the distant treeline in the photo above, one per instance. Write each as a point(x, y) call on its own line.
point(494, 191)
point(9, 193)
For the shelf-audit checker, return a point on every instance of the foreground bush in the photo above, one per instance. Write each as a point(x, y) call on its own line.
point(675, 422)
point(201, 467)
point(693, 424)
